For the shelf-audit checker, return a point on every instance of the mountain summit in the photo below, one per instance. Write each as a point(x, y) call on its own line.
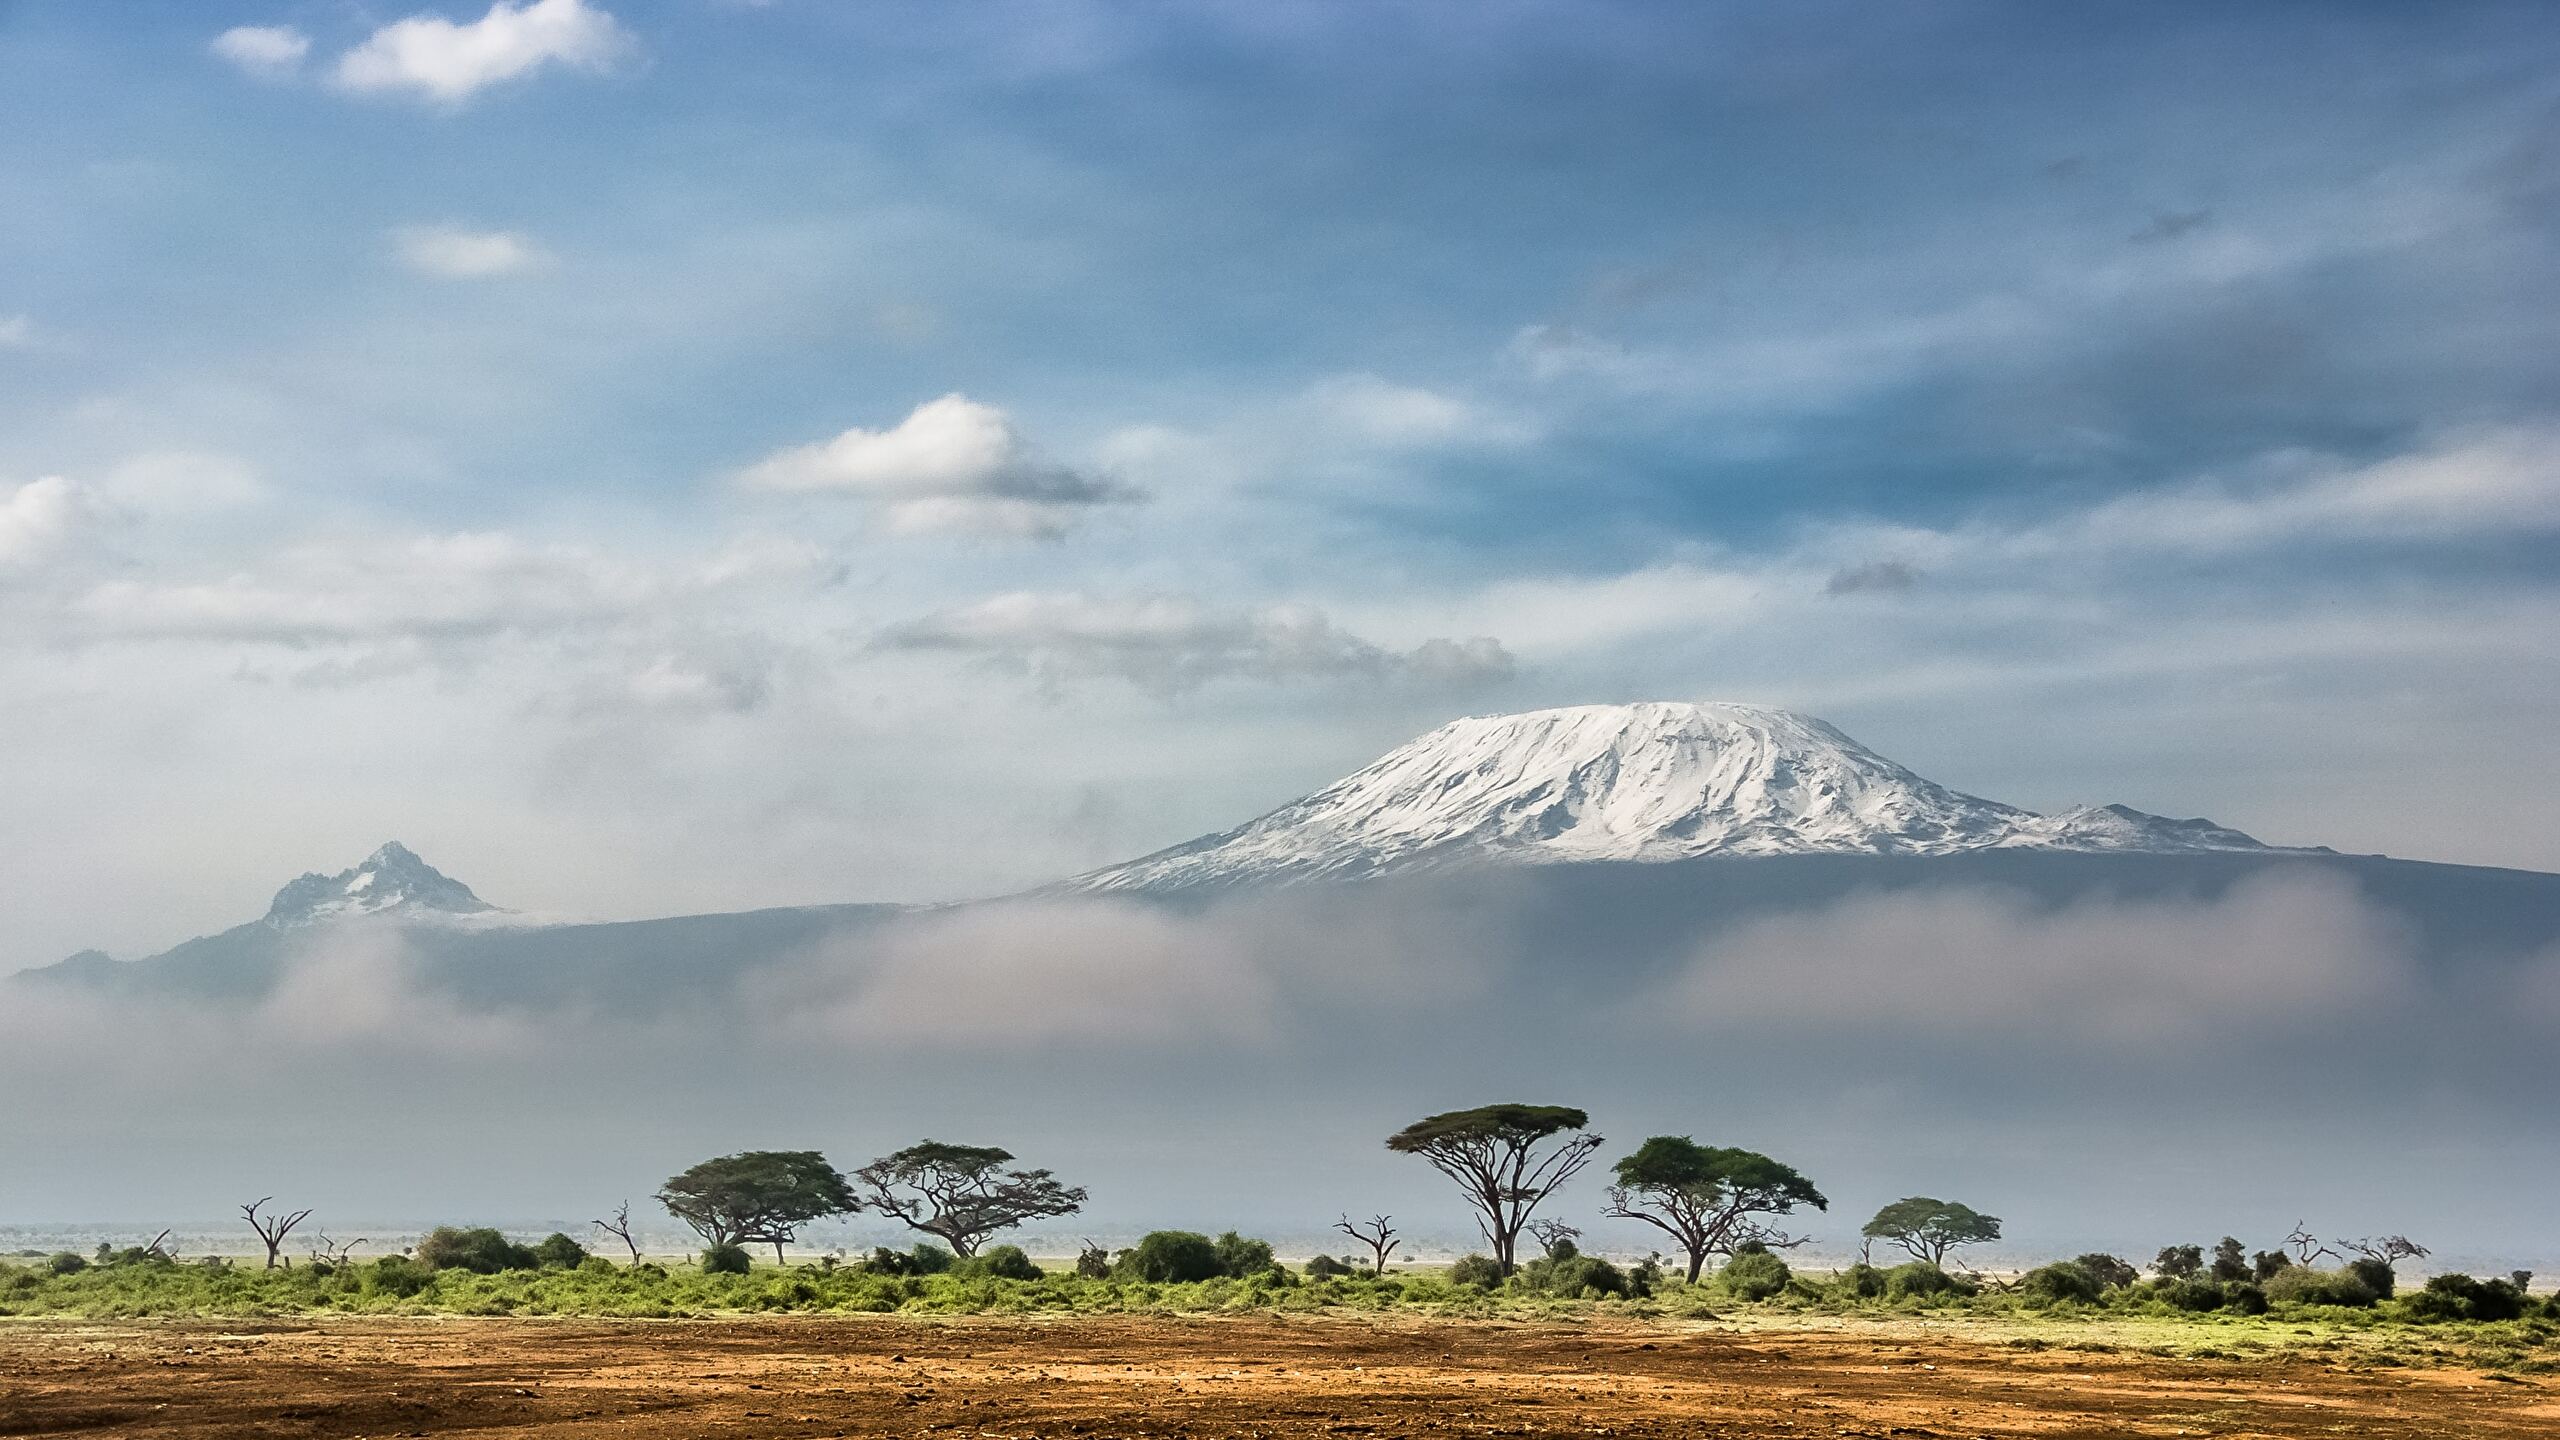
point(1656, 781)
point(392, 882)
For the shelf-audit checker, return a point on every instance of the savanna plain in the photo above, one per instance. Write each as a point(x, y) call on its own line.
point(602, 1348)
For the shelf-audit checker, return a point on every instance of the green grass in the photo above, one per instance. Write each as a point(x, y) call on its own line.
point(2127, 1322)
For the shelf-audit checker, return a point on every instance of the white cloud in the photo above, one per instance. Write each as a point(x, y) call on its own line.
point(17, 332)
point(266, 51)
point(352, 588)
point(454, 253)
point(952, 464)
point(182, 482)
point(1175, 643)
point(41, 518)
point(448, 62)
point(1384, 412)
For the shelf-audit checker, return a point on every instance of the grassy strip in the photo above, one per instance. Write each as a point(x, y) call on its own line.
point(2380, 1336)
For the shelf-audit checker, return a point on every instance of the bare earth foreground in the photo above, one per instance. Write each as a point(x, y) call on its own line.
point(1156, 1376)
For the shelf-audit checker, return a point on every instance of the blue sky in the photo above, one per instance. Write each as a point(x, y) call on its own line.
point(532, 433)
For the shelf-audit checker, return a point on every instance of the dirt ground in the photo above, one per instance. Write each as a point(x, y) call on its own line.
point(1226, 1376)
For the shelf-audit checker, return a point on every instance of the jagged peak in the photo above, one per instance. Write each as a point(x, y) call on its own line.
point(393, 880)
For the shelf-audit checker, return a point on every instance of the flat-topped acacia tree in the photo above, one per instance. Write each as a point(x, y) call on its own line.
point(1929, 1228)
point(761, 1195)
point(1707, 1198)
point(963, 1193)
point(1505, 1158)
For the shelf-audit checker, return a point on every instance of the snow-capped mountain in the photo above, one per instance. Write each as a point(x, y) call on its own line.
point(1659, 781)
point(392, 882)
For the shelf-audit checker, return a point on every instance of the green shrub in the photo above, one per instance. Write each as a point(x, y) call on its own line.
point(558, 1252)
point(479, 1249)
point(928, 1258)
point(1920, 1280)
point(1170, 1257)
point(1572, 1275)
point(1000, 1262)
point(726, 1260)
point(2066, 1282)
point(1753, 1275)
point(2302, 1285)
point(1325, 1267)
point(396, 1276)
point(1644, 1277)
point(2460, 1297)
point(1479, 1271)
point(2377, 1275)
point(2110, 1272)
point(2244, 1297)
point(2188, 1293)
point(1239, 1257)
point(1862, 1280)
point(1093, 1262)
point(66, 1263)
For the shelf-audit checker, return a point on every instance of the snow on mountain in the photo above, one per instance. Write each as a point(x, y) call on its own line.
point(1657, 781)
point(392, 882)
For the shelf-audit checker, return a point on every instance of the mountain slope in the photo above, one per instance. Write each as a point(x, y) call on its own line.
point(1647, 782)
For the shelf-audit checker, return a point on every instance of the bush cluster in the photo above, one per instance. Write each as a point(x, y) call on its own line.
point(1176, 1257)
point(1753, 1275)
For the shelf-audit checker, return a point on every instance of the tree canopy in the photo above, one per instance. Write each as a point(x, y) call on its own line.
point(761, 1195)
point(1501, 1157)
point(1928, 1228)
point(1707, 1198)
point(963, 1193)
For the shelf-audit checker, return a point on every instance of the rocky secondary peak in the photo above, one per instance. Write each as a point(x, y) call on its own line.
point(391, 881)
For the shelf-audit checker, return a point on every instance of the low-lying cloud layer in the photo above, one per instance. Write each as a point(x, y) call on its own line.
point(2047, 1057)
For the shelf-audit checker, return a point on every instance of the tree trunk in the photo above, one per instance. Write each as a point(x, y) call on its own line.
point(777, 1252)
point(1697, 1262)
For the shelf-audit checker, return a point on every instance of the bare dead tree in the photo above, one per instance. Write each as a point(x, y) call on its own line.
point(1375, 1233)
point(156, 1247)
point(273, 1227)
point(2306, 1247)
point(2388, 1249)
point(619, 1227)
point(330, 1252)
point(1553, 1235)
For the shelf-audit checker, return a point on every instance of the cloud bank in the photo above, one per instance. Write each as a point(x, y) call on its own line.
point(1173, 644)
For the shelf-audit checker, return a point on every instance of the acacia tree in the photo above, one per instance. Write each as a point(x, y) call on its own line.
point(963, 1193)
point(1505, 1158)
point(1929, 1228)
point(1706, 1198)
point(273, 1226)
point(761, 1195)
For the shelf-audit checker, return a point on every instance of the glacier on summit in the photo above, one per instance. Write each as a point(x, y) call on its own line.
point(1645, 782)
